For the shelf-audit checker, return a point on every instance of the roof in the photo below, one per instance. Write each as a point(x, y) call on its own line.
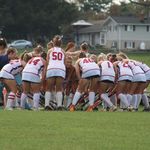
point(129, 19)
point(94, 28)
point(81, 23)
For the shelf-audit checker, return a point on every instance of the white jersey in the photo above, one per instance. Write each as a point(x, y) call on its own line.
point(89, 67)
point(107, 69)
point(34, 66)
point(144, 67)
point(124, 69)
point(135, 68)
point(14, 67)
point(56, 59)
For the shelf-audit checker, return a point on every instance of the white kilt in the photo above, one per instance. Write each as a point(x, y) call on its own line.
point(55, 73)
point(125, 77)
point(30, 77)
point(108, 78)
point(139, 78)
point(90, 73)
point(6, 75)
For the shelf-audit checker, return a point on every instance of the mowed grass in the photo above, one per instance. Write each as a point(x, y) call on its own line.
point(27, 130)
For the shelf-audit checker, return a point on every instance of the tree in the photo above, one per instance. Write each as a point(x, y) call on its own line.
point(35, 18)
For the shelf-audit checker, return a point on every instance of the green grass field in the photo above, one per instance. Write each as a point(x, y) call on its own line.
point(26, 130)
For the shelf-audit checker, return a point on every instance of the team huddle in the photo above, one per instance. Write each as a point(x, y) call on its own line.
point(72, 80)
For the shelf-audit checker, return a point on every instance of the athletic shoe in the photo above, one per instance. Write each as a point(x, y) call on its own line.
point(146, 109)
point(130, 108)
point(103, 110)
point(9, 108)
point(90, 109)
point(72, 108)
point(113, 108)
point(135, 110)
point(48, 108)
point(61, 108)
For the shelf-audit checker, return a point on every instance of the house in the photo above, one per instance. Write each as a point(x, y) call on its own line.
point(123, 32)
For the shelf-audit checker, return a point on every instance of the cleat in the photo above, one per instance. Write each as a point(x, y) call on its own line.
point(146, 109)
point(48, 108)
point(60, 108)
point(72, 108)
point(130, 108)
point(135, 110)
point(9, 109)
point(103, 110)
point(113, 109)
point(90, 109)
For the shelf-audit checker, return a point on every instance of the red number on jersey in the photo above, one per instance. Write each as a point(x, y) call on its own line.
point(57, 56)
point(34, 61)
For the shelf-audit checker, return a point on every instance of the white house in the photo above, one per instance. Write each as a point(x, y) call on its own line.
point(118, 32)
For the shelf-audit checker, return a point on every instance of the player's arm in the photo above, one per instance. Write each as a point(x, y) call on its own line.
point(77, 68)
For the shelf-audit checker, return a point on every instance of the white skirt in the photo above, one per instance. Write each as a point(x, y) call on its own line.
point(30, 77)
point(4, 74)
point(55, 73)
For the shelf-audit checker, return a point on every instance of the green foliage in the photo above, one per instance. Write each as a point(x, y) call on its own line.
point(28, 130)
point(28, 18)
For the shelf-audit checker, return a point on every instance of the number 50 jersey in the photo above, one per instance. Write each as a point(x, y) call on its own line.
point(56, 66)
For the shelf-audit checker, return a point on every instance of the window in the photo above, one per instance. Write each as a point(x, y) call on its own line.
point(129, 45)
point(102, 39)
point(130, 28)
point(147, 28)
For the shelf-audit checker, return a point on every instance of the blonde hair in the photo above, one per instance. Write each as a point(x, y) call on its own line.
point(123, 55)
point(101, 57)
point(94, 57)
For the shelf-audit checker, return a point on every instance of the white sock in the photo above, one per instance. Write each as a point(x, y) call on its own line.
point(145, 100)
point(59, 98)
point(69, 99)
point(10, 100)
point(47, 98)
point(133, 101)
point(105, 98)
point(23, 100)
point(105, 105)
point(139, 96)
point(76, 98)
point(91, 98)
point(113, 99)
point(123, 99)
point(36, 99)
point(129, 98)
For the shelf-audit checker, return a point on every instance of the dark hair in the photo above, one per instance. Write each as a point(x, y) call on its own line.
point(44, 55)
point(25, 56)
point(57, 40)
point(82, 55)
point(3, 42)
point(84, 46)
point(11, 50)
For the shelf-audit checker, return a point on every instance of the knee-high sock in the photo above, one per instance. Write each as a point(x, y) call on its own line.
point(129, 98)
point(36, 99)
point(105, 98)
point(10, 100)
point(139, 96)
point(91, 98)
point(76, 98)
point(47, 98)
point(113, 99)
point(23, 100)
point(69, 99)
point(59, 98)
point(123, 99)
point(145, 100)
